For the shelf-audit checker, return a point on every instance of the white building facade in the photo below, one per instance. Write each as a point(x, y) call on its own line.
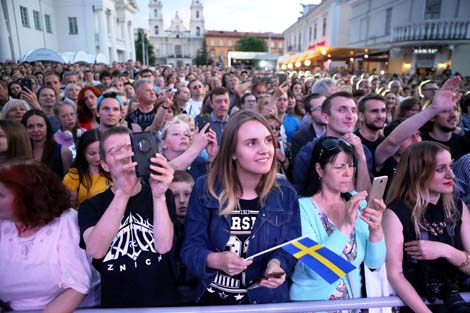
point(326, 24)
point(176, 45)
point(95, 26)
point(421, 35)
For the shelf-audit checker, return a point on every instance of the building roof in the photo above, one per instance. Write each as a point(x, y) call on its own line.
point(223, 33)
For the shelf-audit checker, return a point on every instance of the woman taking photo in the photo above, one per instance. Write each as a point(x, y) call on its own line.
point(45, 149)
point(43, 267)
point(242, 185)
point(337, 223)
point(428, 230)
point(85, 178)
point(69, 131)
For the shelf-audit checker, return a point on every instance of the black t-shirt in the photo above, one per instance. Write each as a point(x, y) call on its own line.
point(438, 228)
point(133, 274)
point(227, 289)
point(458, 144)
point(372, 145)
point(142, 119)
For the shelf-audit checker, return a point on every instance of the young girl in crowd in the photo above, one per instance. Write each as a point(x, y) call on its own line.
point(45, 149)
point(86, 178)
point(241, 186)
point(14, 141)
point(427, 230)
point(43, 267)
point(69, 131)
point(336, 223)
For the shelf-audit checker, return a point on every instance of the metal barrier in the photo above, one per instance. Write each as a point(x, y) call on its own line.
point(308, 306)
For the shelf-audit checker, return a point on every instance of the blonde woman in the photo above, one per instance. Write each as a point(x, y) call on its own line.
point(427, 230)
point(238, 210)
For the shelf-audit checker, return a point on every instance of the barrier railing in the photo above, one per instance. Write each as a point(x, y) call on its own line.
point(307, 306)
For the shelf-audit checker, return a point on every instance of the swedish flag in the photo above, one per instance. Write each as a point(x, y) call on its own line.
point(320, 259)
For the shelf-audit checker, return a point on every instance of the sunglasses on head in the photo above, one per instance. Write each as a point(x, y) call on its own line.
point(330, 144)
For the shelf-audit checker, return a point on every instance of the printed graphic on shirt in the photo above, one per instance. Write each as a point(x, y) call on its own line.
point(228, 287)
point(135, 236)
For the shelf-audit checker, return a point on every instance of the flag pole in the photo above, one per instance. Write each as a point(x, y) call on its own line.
point(274, 248)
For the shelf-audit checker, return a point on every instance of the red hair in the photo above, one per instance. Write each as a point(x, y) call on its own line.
point(84, 113)
point(38, 194)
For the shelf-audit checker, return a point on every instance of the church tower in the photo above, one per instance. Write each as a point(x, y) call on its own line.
point(196, 24)
point(156, 18)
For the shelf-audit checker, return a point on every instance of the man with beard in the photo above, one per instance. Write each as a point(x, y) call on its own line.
point(441, 129)
point(372, 115)
point(315, 129)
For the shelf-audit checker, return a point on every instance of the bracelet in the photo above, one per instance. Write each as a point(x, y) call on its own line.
point(467, 260)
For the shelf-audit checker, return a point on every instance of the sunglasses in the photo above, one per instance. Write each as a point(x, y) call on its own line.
point(330, 144)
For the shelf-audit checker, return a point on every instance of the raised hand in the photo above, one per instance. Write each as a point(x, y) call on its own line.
point(446, 97)
point(121, 167)
point(352, 208)
point(161, 175)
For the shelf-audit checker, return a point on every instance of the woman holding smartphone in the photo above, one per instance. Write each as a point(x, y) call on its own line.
point(428, 229)
point(330, 218)
point(241, 208)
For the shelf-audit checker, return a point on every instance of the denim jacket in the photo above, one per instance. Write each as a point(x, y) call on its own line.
point(207, 231)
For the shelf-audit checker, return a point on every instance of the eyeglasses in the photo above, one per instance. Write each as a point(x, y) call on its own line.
point(329, 144)
point(275, 128)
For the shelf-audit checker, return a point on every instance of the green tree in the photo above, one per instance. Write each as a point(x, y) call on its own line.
point(149, 54)
point(253, 44)
point(201, 58)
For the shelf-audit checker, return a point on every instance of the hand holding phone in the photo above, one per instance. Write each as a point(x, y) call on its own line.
point(202, 120)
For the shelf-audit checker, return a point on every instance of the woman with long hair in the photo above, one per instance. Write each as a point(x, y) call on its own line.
point(69, 132)
point(427, 230)
point(86, 178)
point(45, 149)
point(241, 208)
point(331, 217)
point(86, 107)
point(43, 267)
point(14, 141)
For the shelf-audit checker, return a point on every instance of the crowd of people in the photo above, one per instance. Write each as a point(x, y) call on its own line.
point(246, 160)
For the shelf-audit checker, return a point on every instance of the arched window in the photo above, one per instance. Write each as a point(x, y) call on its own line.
point(156, 30)
point(198, 31)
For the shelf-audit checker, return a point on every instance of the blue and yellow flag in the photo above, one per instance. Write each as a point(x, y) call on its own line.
point(320, 259)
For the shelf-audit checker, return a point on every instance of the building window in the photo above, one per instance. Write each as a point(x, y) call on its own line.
point(299, 43)
point(197, 14)
point(73, 26)
point(47, 22)
point(221, 43)
point(315, 32)
point(37, 20)
point(156, 30)
point(178, 51)
point(279, 45)
point(310, 33)
point(432, 9)
point(324, 27)
point(272, 45)
point(229, 43)
point(388, 21)
point(155, 13)
point(212, 53)
point(24, 16)
point(212, 42)
point(198, 31)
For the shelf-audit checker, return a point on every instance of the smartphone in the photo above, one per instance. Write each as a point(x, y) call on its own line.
point(274, 275)
point(378, 188)
point(26, 82)
point(282, 77)
point(144, 146)
point(202, 120)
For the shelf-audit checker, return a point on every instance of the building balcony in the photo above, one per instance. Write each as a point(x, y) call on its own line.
point(432, 31)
